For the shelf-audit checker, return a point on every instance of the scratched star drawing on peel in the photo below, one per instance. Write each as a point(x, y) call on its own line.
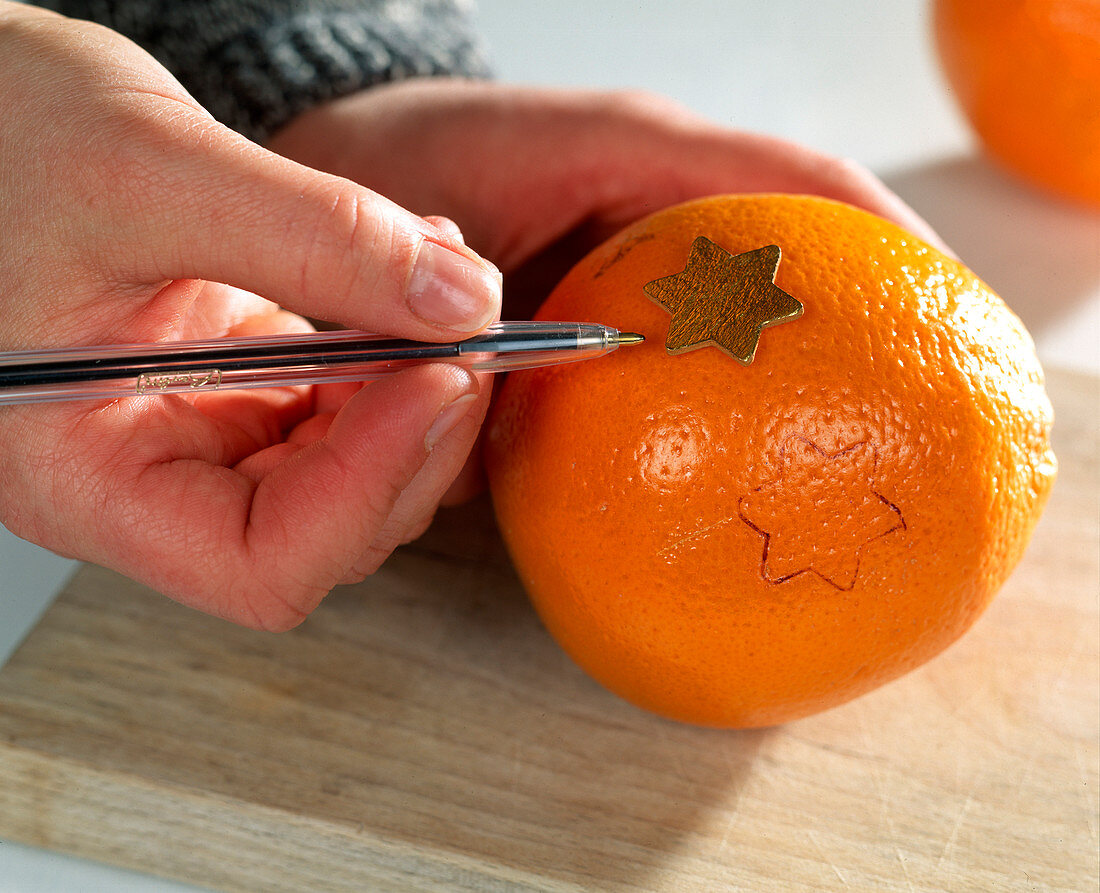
point(798, 511)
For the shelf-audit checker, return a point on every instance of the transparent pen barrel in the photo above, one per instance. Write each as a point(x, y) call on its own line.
point(279, 361)
point(183, 381)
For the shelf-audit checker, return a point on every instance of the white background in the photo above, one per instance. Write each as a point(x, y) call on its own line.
point(856, 78)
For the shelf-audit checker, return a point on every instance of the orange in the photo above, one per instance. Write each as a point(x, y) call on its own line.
point(1027, 75)
point(741, 545)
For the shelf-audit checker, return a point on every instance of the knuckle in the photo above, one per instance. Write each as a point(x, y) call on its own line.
point(418, 529)
point(368, 563)
point(633, 104)
point(354, 247)
point(850, 173)
point(274, 609)
point(635, 100)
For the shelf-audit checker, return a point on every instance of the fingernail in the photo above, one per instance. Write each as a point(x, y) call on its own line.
point(450, 289)
point(453, 413)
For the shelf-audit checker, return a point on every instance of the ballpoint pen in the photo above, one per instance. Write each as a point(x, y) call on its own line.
point(38, 376)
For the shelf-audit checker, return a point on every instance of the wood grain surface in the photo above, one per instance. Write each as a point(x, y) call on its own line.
point(422, 732)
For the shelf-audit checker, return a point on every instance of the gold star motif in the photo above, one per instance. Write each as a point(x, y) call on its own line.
point(819, 513)
point(724, 300)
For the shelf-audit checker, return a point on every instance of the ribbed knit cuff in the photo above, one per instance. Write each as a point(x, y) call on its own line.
point(255, 64)
point(262, 78)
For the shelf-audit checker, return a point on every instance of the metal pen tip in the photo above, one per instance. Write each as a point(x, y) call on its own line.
point(630, 338)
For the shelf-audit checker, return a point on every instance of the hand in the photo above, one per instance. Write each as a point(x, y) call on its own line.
point(538, 177)
point(519, 168)
point(125, 209)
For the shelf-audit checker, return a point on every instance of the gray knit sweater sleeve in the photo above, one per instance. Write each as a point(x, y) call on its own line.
point(255, 64)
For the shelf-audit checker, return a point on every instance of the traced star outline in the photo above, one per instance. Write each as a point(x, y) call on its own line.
point(723, 300)
point(796, 512)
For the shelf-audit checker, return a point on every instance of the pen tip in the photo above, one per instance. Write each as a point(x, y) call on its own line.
point(630, 338)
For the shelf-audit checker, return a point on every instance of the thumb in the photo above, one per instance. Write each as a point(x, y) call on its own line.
point(221, 208)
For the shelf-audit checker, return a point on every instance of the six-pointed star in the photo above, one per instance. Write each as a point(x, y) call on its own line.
point(723, 299)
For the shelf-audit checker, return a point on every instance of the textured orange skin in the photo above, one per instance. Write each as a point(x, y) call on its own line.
point(617, 482)
point(1027, 75)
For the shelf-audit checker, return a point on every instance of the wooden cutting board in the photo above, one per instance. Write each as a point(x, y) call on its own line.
point(422, 732)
